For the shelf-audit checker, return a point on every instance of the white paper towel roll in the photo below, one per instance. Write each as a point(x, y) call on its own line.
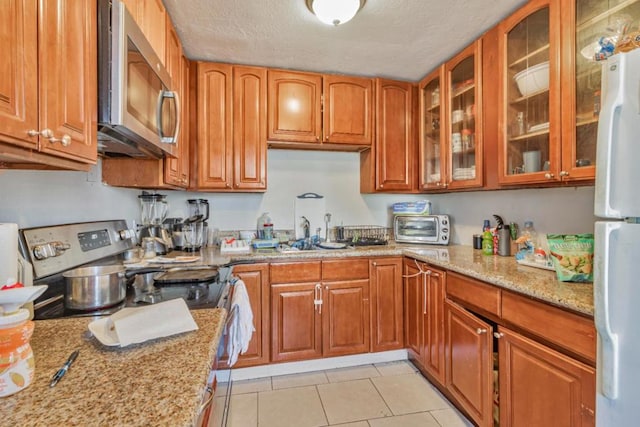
point(8, 252)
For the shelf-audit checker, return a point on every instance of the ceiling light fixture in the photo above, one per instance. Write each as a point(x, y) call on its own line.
point(335, 12)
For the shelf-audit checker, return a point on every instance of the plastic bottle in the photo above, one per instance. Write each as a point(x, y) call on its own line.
point(17, 365)
point(529, 232)
point(487, 242)
point(262, 221)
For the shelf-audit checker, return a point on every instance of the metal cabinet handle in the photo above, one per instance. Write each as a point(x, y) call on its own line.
point(317, 298)
point(203, 407)
point(549, 175)
point(564, 173)
point(65, 141)
point(498, 335)
point(424, 294)
point(481, 331)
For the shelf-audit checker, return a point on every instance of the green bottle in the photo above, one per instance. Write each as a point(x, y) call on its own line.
point(487, 243)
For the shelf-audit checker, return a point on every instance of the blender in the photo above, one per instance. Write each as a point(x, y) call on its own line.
point(195, 227)
point(154, 211)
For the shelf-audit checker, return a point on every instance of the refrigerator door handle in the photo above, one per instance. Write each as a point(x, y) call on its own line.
point(608, 351)
point(613, 80)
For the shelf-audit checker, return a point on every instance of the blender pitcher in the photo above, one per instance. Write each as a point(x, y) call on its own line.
point(198, 214)
point(154, 208)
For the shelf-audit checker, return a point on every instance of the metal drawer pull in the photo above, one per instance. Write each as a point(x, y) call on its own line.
point(481, 331)
point(498, 335)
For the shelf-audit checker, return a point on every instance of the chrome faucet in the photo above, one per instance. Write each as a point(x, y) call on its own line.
point(327, 220)
point(306, 226)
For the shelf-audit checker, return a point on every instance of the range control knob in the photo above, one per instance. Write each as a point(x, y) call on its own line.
point(445, 222)
point(51, 249)
point(445, 230)
point(126, 234)
point(445, 238)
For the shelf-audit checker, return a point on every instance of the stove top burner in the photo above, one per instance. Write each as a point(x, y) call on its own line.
point(205, 295)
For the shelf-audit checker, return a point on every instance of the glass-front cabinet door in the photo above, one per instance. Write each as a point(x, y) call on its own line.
point(463, 75)
point(592, 27)
point(433, 144)
point(530, 121)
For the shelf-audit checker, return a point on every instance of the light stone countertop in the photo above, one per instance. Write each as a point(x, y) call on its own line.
point(160, 382)
point(500, 271)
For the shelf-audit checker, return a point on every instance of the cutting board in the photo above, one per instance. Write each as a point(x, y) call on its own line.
point(312, 207)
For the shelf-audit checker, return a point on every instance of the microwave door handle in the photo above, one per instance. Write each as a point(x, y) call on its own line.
point(178, 117)
point(161, 97)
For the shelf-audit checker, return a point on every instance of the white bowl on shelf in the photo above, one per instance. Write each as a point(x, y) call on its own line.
point(533, 79)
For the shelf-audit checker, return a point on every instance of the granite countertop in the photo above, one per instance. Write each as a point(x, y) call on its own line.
point(160, 382)
point(500, 271)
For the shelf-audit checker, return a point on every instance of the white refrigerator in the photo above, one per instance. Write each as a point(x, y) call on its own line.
point(617, 244)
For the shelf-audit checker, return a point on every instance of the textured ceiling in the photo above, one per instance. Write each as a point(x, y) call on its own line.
point(401, 39)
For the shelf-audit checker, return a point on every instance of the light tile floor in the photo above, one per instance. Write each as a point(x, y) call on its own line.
point(381, 395)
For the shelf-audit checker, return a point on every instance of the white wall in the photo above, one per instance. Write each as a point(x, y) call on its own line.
point(51, 197)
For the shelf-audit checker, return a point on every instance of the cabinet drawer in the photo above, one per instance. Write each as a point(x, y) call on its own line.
point(345, 269)
point(481, 296)
point(562, 328)
point(295, 272)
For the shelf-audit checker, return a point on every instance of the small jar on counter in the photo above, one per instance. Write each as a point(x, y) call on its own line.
point(17, 365)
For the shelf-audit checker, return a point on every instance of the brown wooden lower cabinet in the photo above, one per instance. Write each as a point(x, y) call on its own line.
point(296, 325)
point(541, 387)
point(469, 366)
point(325, 313)
point(345, 318)
point(424, 318)
point(256, 278)
point(385, 287)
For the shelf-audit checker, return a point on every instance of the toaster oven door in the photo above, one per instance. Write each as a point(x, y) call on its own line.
point(416, 229)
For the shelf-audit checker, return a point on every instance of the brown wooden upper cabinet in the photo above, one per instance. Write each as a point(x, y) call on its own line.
point(309, 108)
point(433, 141)
point(390, 165)
point(529, 122)
point(48, 83)
point(583, 23)
point(450, 128)
point(232, 143)
point(463, 109)
point(176, 169)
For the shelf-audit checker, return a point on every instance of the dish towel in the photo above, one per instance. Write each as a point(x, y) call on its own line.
point(240, 322)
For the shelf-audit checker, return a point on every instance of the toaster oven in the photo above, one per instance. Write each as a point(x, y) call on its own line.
point(426, 229)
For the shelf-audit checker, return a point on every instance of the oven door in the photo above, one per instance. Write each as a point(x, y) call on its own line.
point(417, 229)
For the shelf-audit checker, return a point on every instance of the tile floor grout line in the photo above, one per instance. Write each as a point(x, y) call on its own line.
point(381, 397)
point(324, 410)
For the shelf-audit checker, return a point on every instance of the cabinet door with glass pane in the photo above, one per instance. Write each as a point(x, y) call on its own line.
point(463, 75)
point(433, 143)
point(590, 23)
point(530, 121)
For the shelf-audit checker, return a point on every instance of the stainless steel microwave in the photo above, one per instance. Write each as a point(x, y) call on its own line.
point(427, 229)
point(138, 113)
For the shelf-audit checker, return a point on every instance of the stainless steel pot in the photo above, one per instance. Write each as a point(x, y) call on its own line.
point(90, 288)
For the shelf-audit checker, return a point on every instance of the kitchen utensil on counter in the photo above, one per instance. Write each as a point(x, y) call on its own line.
point(89, 288)
point(154, 211)
point(312, 207)
point(95, 287)
point(60, 373)
point(327, 220)
point(199, 214)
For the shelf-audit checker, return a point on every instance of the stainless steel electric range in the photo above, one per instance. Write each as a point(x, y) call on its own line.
point(54, 250)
